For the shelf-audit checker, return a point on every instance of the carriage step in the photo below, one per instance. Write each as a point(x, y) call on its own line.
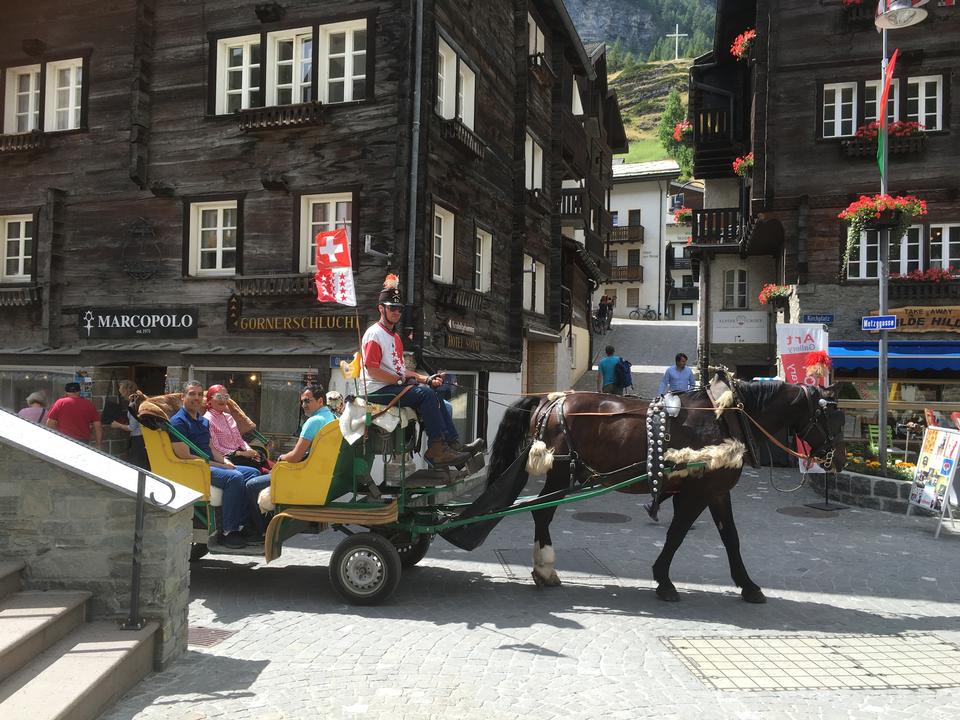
point(444, 494)
point(432, 477)
point(249, 550)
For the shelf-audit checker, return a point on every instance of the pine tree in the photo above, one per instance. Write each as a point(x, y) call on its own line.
point(673, 113)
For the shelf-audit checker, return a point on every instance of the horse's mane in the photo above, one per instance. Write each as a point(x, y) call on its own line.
point(758, 394)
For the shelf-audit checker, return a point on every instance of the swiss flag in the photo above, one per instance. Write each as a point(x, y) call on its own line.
point(334, 273)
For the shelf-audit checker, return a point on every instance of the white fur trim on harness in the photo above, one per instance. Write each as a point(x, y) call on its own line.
point(540, 460)
point(557, 394)
point(265, 501)
point(723, 402)
point(728, 454)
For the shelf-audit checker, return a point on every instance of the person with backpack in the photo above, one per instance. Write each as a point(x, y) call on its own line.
point(613, 373)
point(677, 378)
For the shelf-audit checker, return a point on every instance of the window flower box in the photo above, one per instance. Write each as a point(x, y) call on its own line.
point(921, 290)
point(866, 147)
point(879, 212)
point(775, 295)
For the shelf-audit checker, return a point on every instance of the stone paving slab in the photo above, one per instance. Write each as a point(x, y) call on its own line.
point(468, 635)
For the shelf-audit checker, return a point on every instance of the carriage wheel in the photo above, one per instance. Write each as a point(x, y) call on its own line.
point(411, 551)
point(365, 569)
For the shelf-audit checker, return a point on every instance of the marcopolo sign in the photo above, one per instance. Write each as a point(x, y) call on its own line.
point(139, 322)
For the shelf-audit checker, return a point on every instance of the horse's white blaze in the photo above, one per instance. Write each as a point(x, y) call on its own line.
point(723, 402)
point(544, 559)
point(728, 454)
point(540, 459)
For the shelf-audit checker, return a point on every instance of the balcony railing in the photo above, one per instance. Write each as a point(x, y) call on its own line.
point(627, 272)
point(718, 226)
point(462, 136)
point(23, 142)
point(867, 147)
point(278, 285)
point(921, 290)
point(280, 116)
point(571, 203)
point(681, 263)
point(682, 293)
point(460, 298)
point(627, 233)
point(575, 143)
point(712, 127)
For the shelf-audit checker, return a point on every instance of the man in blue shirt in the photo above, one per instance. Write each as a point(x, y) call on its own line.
point(607, 373)
point(678, 378)
point(190, 422)
point(313, 402)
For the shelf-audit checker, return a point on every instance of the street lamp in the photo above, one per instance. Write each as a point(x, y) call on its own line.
point(891, 15)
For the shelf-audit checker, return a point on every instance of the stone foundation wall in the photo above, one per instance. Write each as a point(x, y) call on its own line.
point(74, 534)
point(877, 493)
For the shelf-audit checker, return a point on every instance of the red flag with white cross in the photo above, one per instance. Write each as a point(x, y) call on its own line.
point(334, 272)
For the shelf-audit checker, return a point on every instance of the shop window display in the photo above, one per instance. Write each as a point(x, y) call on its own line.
point(17, 383)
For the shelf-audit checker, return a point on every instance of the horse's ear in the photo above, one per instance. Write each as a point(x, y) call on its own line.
point(831, 390)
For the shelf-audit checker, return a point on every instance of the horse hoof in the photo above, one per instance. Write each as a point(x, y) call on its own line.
point(755, 596)
point(668, 594)
point(540, 581)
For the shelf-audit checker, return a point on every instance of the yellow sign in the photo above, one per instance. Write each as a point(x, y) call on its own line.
point(275, 323)
point(931, 318)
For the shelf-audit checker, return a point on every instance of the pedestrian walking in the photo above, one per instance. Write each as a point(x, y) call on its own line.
point(73, 416)
point(678, 377)
point(36, 409)
point(607, 373)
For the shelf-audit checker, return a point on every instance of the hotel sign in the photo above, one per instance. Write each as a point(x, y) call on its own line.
point(138, 322)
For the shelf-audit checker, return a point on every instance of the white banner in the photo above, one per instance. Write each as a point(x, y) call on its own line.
point(794, 342)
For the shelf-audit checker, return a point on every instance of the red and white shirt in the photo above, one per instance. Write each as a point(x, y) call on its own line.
point(383, 349)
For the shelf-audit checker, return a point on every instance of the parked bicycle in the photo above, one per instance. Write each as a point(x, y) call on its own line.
point(599, 325)
point(648, 313)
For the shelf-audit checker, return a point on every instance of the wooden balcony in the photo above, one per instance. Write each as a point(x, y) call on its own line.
point(22, 142)
point(275, 285)
point(712, 127)
point(681, 263)
point(575, 145)
point(682, 293)
point(463, 137)
point(572, 205)
point(627, 272)
point(460, 298)
point(280, 116)
point(593, 242)
point(28, 294)
point(718, 226)
point(627, 233)
point(867, 147)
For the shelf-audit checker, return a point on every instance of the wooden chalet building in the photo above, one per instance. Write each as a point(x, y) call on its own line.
point(164, 167)
point(810, 82)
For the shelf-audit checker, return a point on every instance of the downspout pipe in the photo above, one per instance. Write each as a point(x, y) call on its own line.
point(661, 254)
point(414, 178)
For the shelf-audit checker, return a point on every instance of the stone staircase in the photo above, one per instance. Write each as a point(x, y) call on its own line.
point(53, 664)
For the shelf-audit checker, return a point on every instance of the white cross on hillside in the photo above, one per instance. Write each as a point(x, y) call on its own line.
point(676, 35)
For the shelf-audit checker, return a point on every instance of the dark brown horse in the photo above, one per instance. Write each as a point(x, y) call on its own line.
point(602, 434)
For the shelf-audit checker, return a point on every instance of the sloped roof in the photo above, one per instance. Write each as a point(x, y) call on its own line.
point(651, 170)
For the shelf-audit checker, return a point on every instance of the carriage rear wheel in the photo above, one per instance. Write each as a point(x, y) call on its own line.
point(365, 569)
point(411, 551)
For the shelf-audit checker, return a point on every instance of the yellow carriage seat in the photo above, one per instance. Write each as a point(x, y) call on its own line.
point(193, 473)
point(323, 477)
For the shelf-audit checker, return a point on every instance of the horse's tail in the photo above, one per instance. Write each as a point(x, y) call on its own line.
point(510, 435)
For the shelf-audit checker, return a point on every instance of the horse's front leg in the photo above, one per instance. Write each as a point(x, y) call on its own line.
point(721, 509)
point(686, 509)
point(544, 557)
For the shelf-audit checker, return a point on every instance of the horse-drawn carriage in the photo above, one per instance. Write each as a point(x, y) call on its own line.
point(586, 444)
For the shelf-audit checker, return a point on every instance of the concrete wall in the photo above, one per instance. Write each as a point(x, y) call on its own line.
point(721, 193)
point(74, 534)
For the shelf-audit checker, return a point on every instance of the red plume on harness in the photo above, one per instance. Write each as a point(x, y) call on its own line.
point(818, 363)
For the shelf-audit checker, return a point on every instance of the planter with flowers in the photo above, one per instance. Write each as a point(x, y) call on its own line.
point(683, 132)
point(903, 136)
point(743, 44)
point(683, 216)
point(895, 213)
point(776, 295)
point(930, 284)
point(743, 165)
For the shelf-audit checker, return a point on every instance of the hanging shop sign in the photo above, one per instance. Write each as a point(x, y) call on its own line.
point(740, 327)
point(462, 342)
point(460, 327)
point(931, 318)
point(139, 322)
point(794, 342)
point(237, 321)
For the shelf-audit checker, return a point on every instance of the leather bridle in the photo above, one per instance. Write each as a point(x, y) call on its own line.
point(819, 421)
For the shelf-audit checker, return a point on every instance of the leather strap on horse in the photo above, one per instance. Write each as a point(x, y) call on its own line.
point(721, 383)
point(393, 401)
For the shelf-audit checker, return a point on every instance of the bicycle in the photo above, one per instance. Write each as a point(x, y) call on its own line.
point(648, 313)
point(599, 325)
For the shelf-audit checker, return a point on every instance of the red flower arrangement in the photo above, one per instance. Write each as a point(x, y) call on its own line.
point(682, 216)
point(743, 165)
point(858, 215)
point(935, 275)
point(742, 44)
point(900, 128)
point(771, 291)
point(852, 3)
point(682, 131)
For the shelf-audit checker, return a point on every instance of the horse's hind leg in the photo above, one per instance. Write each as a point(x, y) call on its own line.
point(722, 511)
point(544, 557)
point(686, 509)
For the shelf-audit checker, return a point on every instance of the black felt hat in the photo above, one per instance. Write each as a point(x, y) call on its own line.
point(390, 295)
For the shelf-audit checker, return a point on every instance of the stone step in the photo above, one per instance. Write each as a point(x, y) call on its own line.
point(32, 621)
point(81, 675)
point(10, 577)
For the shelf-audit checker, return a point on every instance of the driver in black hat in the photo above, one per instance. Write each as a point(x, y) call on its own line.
point(386, 375)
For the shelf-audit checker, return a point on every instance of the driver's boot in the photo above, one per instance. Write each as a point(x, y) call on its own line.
point(473, 448)
point(440, 454)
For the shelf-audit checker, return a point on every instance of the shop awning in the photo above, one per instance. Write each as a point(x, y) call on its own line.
point(900, 355)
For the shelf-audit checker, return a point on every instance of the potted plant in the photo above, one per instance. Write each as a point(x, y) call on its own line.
point(776, 295)
point(683, 216)
point(683, 131)
point(930, 275)
point(743, 44)
point(743, 165)
point(880, 211)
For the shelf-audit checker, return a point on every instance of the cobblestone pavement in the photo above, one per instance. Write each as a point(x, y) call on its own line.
point(468, 636)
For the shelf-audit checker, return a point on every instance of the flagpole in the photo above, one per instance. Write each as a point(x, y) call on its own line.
point(884, 274)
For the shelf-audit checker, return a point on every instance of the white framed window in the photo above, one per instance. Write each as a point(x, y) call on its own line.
point(238, 73)
point(864, 257)
point(321, 213)
point(945, 246)
point(612, 257)
point(343, 61)
point(686, 308)
point(482, 259)
point(839, 109)
point(536, 41)
point(633, 297)
point(441, 266)
point(735, 289)
point(925, 101)
point(213, 238)
point(871, 96)
point(534, 285)
point(17, 250)
point(63, 95)
point(533, 154)
point(456, 86)
point(290, 67)
point(22, 100)
point(905, 255)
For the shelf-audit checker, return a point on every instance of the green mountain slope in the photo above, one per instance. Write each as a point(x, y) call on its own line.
point(642, 91)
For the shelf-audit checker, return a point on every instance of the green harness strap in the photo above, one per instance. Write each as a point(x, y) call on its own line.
point(186, 441)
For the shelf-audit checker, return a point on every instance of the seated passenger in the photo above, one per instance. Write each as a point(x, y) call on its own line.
point(224, 434)
point(318, 415)
point(223, 474)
